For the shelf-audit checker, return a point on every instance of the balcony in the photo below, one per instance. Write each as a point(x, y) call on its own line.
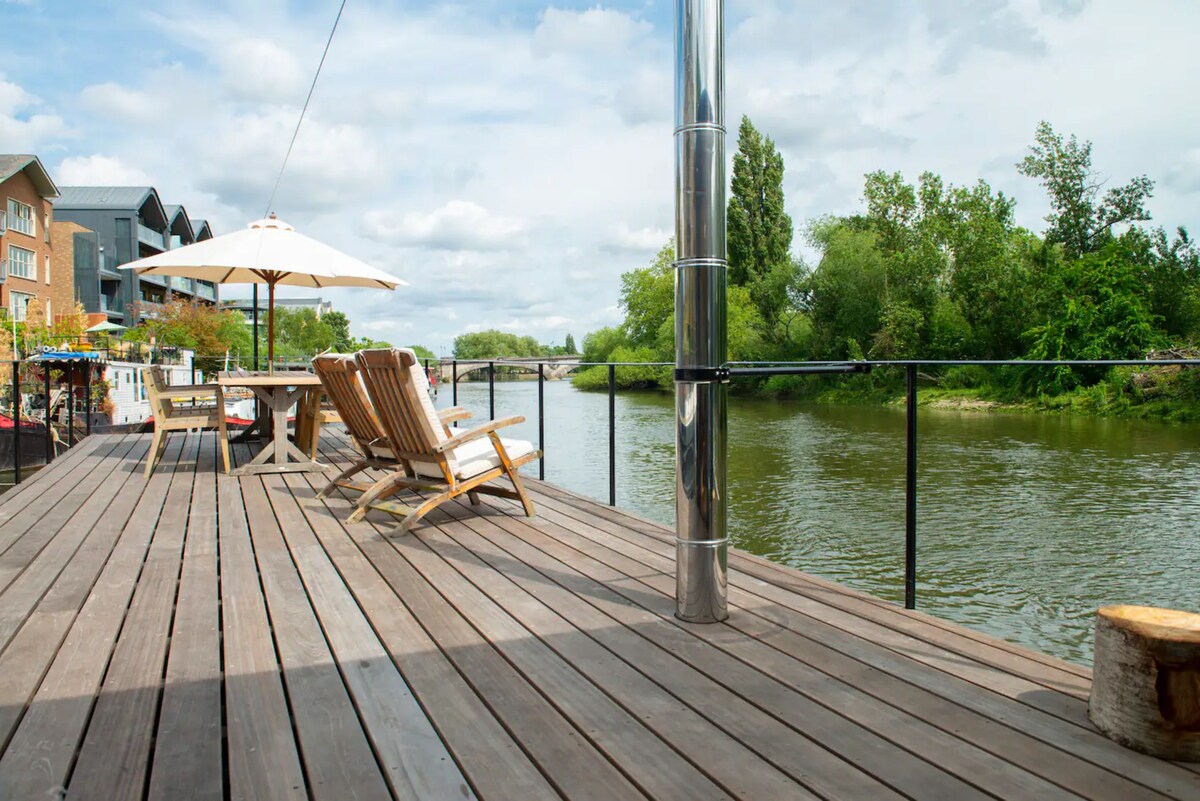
point(206, 291)
point(180, 284)
point(148, 236)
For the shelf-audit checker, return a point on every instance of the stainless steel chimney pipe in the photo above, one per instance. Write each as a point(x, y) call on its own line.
point(700, 335)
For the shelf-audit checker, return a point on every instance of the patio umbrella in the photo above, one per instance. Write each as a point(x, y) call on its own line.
point(104, 328)
point(267, 252)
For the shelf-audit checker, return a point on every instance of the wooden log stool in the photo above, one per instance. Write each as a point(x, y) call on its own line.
point(1146, 681)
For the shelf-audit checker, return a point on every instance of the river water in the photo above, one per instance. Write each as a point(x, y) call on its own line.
point(1026, 523)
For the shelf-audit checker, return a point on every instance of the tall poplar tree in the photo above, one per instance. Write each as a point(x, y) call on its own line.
point(759, 230)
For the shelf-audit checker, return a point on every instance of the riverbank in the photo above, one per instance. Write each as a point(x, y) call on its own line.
point(1168, 394)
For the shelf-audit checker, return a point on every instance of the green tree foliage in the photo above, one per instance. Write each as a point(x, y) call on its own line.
point(209, 331)
point(759, 230)
point(492, 344)
point(929, 270)
point(339, 325)
point(1097, 308)
point(598, 346)
point(569, 346)
point(648, 298)
point(1082, 219)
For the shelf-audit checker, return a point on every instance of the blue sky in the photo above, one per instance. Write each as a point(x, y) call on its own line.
point(511, 158)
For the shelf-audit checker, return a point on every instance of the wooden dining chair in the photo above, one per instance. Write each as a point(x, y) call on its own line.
point(429, 457)
point(171, 416)
point(341, 384)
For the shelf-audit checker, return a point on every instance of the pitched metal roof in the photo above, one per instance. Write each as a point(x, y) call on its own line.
point(199, 226)
point(176, 212)
point(103, 197)
point(13, 163)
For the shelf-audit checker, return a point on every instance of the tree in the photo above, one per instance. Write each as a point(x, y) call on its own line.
point(1096, 309)
point(492, 344)
point(339, 325)
point(1081, 219)
point(300, 334)
point(569, 346)
point(648, 298)
point(599, 344)
point(759, 231)
point(422, 352)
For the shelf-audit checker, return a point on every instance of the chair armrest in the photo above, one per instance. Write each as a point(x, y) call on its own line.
point(193, 389)
point(477, 433)
point(452, 414)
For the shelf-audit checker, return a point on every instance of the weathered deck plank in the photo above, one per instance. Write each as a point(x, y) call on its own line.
point(188, 759)
point(203, 637)
point(39, 756)
point(115, 755)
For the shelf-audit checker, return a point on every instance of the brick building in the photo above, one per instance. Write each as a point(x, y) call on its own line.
point(26, 250)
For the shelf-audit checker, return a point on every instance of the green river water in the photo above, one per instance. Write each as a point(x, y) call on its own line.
point(1026, 522)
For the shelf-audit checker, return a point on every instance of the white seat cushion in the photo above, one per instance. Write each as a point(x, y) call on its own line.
point(469, 460)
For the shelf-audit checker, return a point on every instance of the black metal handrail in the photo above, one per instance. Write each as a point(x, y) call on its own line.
point(67, 367)
point(744, 369)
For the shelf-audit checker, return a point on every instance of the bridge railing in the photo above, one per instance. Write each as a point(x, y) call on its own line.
point(735, 370)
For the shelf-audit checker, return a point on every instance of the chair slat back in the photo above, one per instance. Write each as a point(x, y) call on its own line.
point(339, 376)
point(157, 391)
point(400, 394)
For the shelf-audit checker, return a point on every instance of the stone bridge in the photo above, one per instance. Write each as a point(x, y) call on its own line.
point(556, 367)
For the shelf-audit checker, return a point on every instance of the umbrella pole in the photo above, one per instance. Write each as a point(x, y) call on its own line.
point(271, 325)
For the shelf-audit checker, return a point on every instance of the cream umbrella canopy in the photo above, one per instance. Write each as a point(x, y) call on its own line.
point(267, 252)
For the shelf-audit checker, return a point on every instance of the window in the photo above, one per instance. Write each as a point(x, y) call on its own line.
point(46, 227)
point(21, 263)
point(20, 217)
point(47, 268)
point(18, 304)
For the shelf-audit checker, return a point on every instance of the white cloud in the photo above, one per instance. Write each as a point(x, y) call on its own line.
point(99, 170)
point(258, 69)
point(458, 225)
point(593, 31)
point(649, 239)
point(22, 129)
point(120, 102)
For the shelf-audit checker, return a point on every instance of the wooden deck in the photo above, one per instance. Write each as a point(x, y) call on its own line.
point(205, 637)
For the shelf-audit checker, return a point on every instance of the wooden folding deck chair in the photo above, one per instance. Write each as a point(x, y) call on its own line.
point(428, 458)
point(171, 417)
point(339, 379)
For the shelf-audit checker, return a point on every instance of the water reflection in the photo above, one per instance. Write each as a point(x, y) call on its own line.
point(1027, 522)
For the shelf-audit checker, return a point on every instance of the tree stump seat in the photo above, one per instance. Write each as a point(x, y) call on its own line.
point(1146, 680)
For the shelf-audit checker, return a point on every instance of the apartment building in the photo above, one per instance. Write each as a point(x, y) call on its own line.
point(130, 222)
point(26, 192)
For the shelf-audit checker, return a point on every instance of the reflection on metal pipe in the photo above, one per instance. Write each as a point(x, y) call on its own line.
point(700, 332)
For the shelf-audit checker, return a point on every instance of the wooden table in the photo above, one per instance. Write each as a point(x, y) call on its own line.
point(279, 391)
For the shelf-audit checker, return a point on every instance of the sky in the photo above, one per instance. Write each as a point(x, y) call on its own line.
point(510, 159)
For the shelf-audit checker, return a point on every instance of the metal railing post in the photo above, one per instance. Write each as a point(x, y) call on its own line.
point(541, 423)
point(87, 397)
point(70, 405)
point(910, 492)
point(454, 385)
point(491, 390)
point(16, 410)
point(612, 435)
point(46, 408)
